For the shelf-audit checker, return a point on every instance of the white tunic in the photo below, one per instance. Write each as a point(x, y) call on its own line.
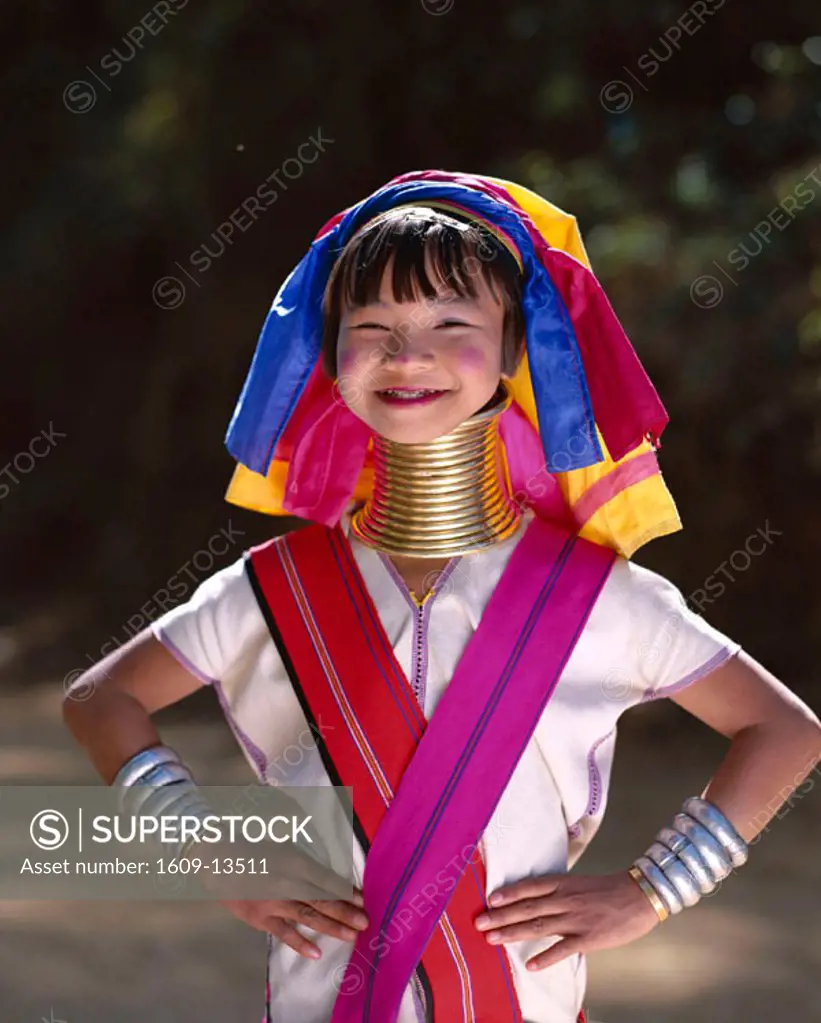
point(641, 642)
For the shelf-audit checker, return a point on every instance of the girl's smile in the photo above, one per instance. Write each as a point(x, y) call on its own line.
point(415, 370)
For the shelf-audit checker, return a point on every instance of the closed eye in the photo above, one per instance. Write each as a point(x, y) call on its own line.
point(368, 325)
point(447, 324)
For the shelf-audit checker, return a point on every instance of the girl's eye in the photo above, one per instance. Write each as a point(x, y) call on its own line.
point(445, 324)
point(370, 326)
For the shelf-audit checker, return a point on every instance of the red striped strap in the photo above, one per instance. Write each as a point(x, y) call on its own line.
point(345, 674)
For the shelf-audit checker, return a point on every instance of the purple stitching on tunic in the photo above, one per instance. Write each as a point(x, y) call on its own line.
point(419, 654)
point(593, 773)
point(421, 621)
point(714, 662)
point(245, 740)
point(254, 751)
point(419, 618)
point(596, 789)
point(397, 578)
point(445, 574)
point(180, 656)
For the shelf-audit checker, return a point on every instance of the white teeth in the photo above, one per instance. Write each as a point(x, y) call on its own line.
point(407, 394)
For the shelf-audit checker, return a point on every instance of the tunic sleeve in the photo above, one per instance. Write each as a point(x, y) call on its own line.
point(664, 646)
point(220, 636)
point(208, 633)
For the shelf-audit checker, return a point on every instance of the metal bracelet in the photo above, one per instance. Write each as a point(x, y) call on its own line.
point(712, 852)
point(134, 797)
point(133, 800)
point(183, 845)
point(183, 849)
point(650, 893)
point(162, 802)
point(141, 763)
point(664, 889)
point(156, 783)
point(178, 801)
point(676, 873)
point(190, 803)
point(182, 799)
point(690, 857)
point(710, 817)
point(166, 774)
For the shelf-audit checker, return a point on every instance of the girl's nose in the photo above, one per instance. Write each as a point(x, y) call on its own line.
point(405, 351)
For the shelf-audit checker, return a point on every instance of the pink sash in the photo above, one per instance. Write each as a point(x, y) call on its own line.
point(468, 753)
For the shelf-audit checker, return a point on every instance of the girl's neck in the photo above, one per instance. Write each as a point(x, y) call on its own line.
point(441, 499)
point(419, 574)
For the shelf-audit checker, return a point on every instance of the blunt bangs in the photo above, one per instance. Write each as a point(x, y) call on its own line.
point(430, 255)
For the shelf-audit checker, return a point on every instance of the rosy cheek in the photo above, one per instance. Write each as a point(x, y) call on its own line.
point(471, 359)
point(345, 359)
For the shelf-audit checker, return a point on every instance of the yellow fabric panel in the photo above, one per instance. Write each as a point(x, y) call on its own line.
point(265, 494)
point(558, 228)
point(575, 483)
point(632, 518)
point(256, 492)
point(640, 512)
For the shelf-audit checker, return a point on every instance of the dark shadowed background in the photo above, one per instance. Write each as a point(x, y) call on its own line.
point(687, 141)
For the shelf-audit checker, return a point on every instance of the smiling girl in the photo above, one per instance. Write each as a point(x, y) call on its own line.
point(447, 630)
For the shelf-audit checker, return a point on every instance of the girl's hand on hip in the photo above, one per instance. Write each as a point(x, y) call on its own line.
point(343, 920)
point(587, 913)
point(294, 890)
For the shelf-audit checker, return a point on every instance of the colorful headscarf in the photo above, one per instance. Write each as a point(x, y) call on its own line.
point(579, 438)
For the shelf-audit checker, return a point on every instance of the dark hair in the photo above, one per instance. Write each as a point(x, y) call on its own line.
point(416, 240)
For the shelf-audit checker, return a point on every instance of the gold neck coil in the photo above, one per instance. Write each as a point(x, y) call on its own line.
point(443, 498)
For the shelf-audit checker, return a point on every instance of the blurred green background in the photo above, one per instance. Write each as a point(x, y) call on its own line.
point(687, 141)
point(122, 160)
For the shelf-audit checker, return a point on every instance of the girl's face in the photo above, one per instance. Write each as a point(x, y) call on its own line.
point(416, 370)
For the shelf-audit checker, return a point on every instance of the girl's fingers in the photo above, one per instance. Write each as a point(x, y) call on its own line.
point(310, 916)
point(344, 912)
point(528, 888)
point(290, 936)
point(556, 953)
point(517, 912)
point(537, 927)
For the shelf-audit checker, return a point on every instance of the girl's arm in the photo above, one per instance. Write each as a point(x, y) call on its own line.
point(108, 709)
point(775, 740)
point(114, 723)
